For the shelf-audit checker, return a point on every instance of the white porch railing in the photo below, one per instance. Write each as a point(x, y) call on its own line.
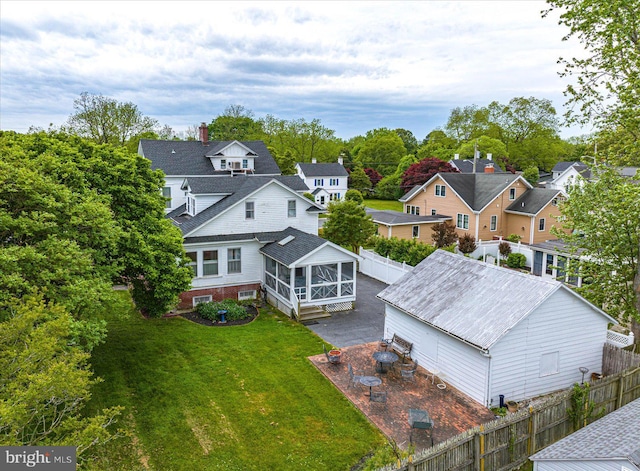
point(618, 339)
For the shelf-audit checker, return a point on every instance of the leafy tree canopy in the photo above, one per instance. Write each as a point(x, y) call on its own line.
point(235, 123)
point(108, 121)
point(484, 145)
point(421, 172)
point(604, 219)
point(359, 180)
point(79, 216)
point(382, 151)
point(408, 139)
point(605, 82)
point(348, 224)
point(444, 234)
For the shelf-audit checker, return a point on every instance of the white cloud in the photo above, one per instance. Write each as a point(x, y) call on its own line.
point(184, 62)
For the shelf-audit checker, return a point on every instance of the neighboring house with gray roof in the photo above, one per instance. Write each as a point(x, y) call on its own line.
point(243, 233)
point(478, 203)
point(491, 331)
point(567, 174)
point(611, 443)
point(551, 259)
point(405, 226)
point(479, 166)
point(326, 181)
point(230, 201)
point(207, 159)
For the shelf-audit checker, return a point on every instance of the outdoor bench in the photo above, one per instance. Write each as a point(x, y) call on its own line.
point(401, 346)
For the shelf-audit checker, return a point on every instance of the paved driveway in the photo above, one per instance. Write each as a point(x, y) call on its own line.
point(363, 324)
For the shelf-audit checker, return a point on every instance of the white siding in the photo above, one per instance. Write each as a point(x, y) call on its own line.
point(177, 195)
point(251, 264)
point(270, 205)
point(562, 323)
point(575, 465)
point(204, 201)
point(461, 365)
point(328, 254)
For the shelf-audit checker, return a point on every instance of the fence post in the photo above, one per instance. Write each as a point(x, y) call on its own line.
point(620, 390)
point(478, 449)
point(532, 432)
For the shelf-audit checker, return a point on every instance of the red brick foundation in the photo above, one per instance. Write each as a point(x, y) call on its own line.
point(218, 294)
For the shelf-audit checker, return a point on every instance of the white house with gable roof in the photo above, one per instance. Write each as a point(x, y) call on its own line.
point(326, 181)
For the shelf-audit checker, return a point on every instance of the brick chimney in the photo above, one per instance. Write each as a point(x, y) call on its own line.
point(204, 134)
point(489, 168)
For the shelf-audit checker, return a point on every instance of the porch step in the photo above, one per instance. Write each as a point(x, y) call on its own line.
point(312, 312)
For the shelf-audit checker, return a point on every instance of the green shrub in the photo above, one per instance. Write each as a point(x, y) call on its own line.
point(234, 310)
point(515, 238)
point(516, 260)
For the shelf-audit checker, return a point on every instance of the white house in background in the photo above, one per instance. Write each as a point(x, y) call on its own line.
point(326, 181)
point(611, 443)
point(207, 159)
point(567, 174)
point(492, 331)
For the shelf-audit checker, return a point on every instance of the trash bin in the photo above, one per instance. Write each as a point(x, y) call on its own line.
point(223, 315)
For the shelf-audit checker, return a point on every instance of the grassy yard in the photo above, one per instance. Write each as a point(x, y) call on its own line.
point(223, 398)
point(384, 204)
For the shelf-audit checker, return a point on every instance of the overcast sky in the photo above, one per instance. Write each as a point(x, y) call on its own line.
point(354, 65)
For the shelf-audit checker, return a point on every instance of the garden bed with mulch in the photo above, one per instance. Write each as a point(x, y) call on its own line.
point(193, 316)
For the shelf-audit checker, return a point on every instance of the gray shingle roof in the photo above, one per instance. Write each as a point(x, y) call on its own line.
point(262, 237)
point(466, 165)
point(478, 189)
point(300, 246)
point(471, 300)
point(323, 170)
point(182, 158)
point(562, 166)
point(531, 202)
point(614, 436)
point(557, 246)
point(227, 184)
point(244, 186)
point(410, 193)
point(391, 218)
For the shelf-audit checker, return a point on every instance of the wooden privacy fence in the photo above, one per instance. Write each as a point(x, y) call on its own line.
point(615, 360)
point(506, 443)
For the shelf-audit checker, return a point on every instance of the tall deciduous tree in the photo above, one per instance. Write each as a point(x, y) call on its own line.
point(381, 150)
point(604, 217)
point(421, 172)
point(107, 121)
point(235, 123)
point(348, 224)
point(605, 88)
point(359, 180)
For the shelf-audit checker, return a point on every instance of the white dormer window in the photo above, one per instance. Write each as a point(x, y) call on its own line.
point(191, 205)
point(223, 164)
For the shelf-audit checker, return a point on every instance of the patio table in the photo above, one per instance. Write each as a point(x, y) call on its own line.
point(370, 381)
point(384, 358)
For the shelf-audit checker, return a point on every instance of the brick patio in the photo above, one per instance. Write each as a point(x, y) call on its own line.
point(452, 411)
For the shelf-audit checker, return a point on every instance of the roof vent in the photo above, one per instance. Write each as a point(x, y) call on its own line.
point(286, 240)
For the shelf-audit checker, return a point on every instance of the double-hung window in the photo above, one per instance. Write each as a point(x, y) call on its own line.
point(441, 190)
point(512, 193)
point(245, 163)
point(462, 221)
point(223, 164)
point(249, 210)
point(209, 262)
point(541, 224)
point(318, 182)
point(493, 225)
point(193, 264)
point(166, 193)
point(333, 182)
point(234, 261)
point(291, 208)
point(415, 232)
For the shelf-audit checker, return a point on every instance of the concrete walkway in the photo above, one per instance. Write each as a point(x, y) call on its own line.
point(363, 324)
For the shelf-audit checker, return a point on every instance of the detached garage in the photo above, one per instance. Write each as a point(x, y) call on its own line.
point(492, 331)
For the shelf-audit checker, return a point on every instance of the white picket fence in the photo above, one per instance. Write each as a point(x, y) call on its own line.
point(490, 247)
point(382, 268)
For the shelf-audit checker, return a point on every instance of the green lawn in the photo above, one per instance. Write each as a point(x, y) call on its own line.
point(223, 398)
point(384, 204)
